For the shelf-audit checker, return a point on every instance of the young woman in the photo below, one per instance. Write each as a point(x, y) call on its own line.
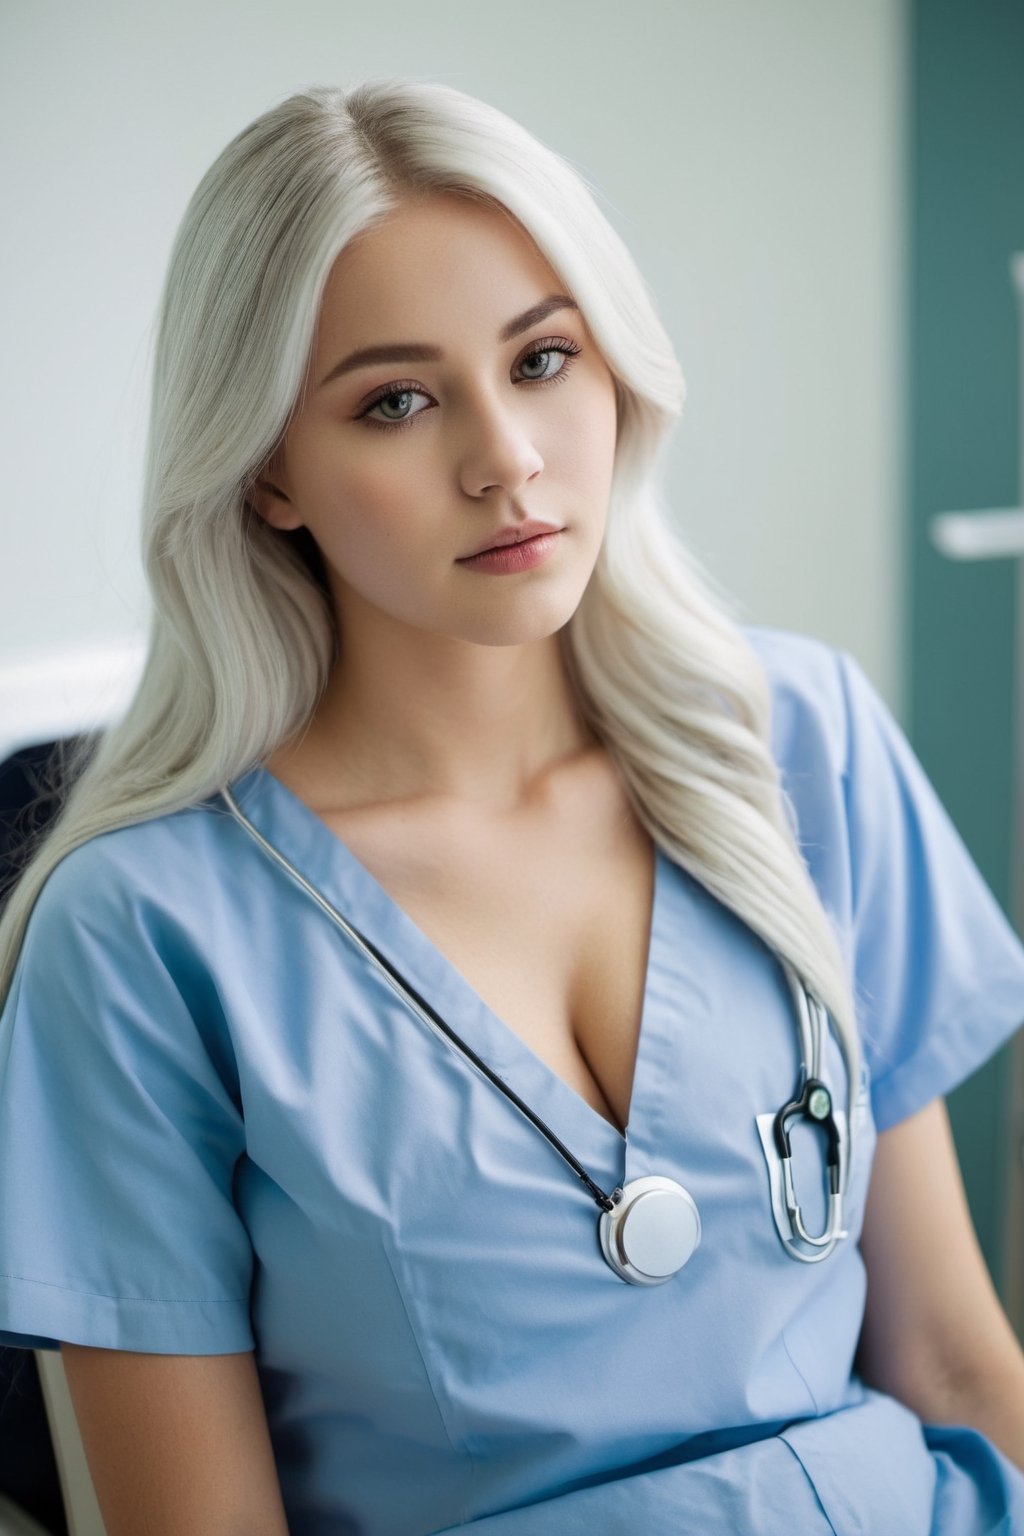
point(452, 1027)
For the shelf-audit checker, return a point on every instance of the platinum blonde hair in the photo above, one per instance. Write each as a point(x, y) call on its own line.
point(242, 636)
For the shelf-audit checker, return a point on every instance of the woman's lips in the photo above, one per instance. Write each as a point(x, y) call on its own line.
point(514, 557)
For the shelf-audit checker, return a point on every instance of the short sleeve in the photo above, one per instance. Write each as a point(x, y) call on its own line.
point(120, 1131)
point(939, 971)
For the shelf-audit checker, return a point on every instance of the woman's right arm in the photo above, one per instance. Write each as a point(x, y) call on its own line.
point(177, 1445)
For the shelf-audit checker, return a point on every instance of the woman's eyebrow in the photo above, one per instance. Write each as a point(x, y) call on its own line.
point(419, 352)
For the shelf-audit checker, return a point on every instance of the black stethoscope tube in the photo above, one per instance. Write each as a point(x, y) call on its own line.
point(605, 1202)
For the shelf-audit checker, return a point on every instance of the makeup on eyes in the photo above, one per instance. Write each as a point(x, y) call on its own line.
point(396, 389)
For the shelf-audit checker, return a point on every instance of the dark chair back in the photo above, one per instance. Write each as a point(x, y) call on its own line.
point(28, 1467)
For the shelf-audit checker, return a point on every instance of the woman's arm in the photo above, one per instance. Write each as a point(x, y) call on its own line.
point(177, 1445)
point(935, 1335)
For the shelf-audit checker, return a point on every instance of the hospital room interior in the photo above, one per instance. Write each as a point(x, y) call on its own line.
point(826, 203)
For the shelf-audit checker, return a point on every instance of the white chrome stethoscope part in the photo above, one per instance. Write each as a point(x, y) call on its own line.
point(811, 1251)
point(813, 1103)
point(652, 1230)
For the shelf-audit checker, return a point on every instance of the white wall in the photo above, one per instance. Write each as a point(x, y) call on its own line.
point(751, 155)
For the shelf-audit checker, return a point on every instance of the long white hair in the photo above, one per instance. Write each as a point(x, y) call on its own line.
point(243, 637)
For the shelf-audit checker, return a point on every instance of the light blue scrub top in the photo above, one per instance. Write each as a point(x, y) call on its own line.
point(221, 1129)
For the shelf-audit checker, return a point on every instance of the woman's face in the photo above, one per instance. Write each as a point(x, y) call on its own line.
point(400, 467)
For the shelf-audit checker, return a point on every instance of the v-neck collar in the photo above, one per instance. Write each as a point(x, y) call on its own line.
point(326, 861)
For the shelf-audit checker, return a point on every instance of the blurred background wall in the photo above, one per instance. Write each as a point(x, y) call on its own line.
point(748, 154)
point(822, 198)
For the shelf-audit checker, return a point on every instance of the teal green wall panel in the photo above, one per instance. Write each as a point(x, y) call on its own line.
point(966, 139)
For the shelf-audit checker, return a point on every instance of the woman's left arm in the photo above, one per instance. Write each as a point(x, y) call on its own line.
point(935, 1335)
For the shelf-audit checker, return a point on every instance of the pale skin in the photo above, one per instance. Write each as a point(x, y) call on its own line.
point(452, 683)
point(450, 708)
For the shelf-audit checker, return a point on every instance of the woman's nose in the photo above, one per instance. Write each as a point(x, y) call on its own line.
point(498, 449)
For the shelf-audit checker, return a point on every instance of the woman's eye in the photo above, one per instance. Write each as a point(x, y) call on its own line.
point(397, 397)
point(546, 354)
point(546, 351)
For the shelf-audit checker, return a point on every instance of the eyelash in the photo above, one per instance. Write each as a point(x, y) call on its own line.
point(553, 344)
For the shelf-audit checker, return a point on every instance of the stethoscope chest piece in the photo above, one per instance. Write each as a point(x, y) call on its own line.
point(651, 1232)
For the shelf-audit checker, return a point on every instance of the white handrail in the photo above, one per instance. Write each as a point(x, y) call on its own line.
point(995, 535)
point(81, 1506)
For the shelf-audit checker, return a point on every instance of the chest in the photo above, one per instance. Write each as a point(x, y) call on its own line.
point(547, 916)
point(422, 1246)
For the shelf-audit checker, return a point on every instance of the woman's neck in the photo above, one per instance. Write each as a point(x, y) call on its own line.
point(487, 729)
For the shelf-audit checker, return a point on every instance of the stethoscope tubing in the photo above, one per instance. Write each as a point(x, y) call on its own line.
point(420, 1005)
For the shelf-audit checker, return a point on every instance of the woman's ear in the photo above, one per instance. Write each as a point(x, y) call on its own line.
point(269, 501)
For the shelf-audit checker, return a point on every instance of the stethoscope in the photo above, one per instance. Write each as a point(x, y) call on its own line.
point(650, 1227)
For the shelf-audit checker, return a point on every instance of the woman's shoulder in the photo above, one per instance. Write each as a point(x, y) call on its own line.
point(810, 689)
point(168, 864)
point(792, 657)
